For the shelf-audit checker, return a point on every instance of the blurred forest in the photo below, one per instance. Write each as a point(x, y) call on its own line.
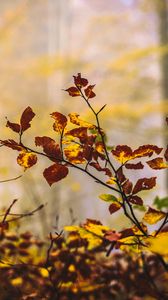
point(122, 47)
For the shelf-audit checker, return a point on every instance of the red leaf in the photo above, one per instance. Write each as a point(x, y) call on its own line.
point(80, 82)
point(115, 206)
point(26, 118)
point(12, 144)
point(135, 200)
point(144, 184)
point(55, 173)
point(88, 91)
point(136, 166)
point(112, 235)
point(127, 187)
point(73, 91)
point(50, 147)
point(14, 126)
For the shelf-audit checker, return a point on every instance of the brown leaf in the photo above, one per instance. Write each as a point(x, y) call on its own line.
point(50, 147)
point(55, 173)
point(60, 121)
point(120, 175)
point(99, 168)
point(123, 153)
point(136, 166)
point(88, 91)
point(157, 163)
point(73, 91)
point(80, 82)
point(80, 133)
point(144, 184)
point(26, 118)
point(135, 200)
point(12, 144)
point(115, 206)
point(127, 187)
point(14, 126)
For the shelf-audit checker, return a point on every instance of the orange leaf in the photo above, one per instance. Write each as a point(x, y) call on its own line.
point(157, 163)
point(26, 118)
point(55, 173)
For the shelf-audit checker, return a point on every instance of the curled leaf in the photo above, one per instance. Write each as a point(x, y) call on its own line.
point(12, 144)
point(74, 119)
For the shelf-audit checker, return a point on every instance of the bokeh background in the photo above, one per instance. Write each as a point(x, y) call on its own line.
point(119, 45)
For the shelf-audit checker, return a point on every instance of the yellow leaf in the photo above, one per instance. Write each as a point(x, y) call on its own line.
point(111, 180)
point(74, 118)
point(26, 159)
point(74, 154)
point(159, 244)
point(17, 281)
point(153, 216)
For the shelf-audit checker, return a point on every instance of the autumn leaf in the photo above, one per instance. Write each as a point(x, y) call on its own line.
point(112, 236)
point(124, 153)
point(108, 198)
point(26, 159)
point(14, 126)
point(89, 91)
point(74, 119)
point(157, 163)
point(55, 173)
point(97, 166)
point(144, 184)
point(74, 154)
point(153, 216)
point(158, 244)
point(26, 118)
point(12, 144)
point(60, 121)
point(136, 166)
point(73, 91)
point(80, 82)
point(134, 199)
point(50, 147)
point(111, 180)
point(166, 154)
point(127, 186)
point(114, 207)
point(80, 133)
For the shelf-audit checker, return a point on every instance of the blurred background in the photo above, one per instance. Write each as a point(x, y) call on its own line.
point(122, 47)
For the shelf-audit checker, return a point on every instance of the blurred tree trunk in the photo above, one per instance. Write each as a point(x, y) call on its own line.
point(162, 12)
